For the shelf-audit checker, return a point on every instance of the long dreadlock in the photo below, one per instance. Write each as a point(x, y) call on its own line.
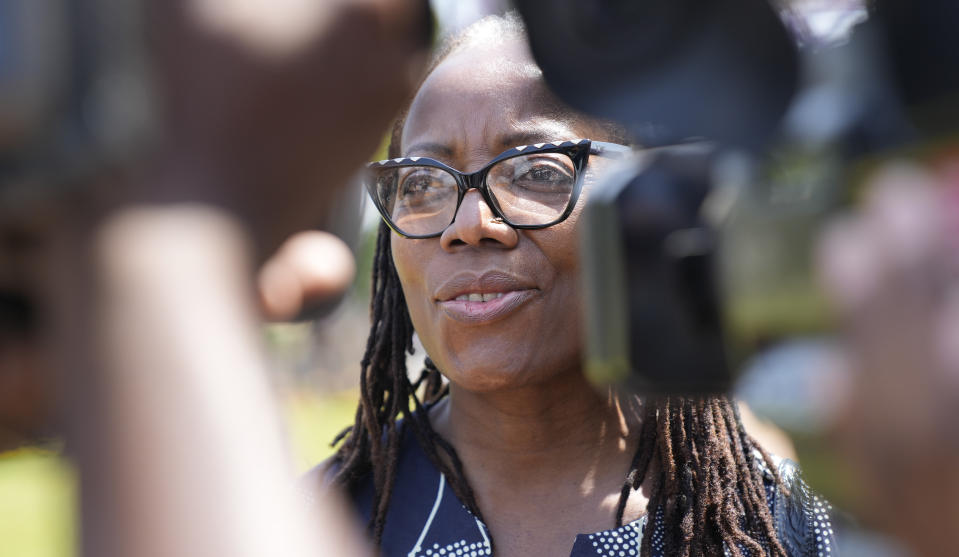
point(372, 444)
point(709, 480)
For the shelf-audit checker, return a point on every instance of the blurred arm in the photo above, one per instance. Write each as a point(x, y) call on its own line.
point(267, 106)
point(182, 449)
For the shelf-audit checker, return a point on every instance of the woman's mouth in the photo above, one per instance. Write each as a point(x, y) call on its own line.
point(477, 308)
point(476, 298)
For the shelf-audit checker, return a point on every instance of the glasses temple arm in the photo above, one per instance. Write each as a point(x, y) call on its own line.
point(607, 149)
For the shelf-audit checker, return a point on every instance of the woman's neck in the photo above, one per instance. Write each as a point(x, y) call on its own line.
point(547, 459)
point(564, 429)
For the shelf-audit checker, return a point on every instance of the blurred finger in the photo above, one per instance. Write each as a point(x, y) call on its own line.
point(310, 269)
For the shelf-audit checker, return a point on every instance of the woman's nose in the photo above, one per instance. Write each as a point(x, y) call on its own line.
point(475, 224)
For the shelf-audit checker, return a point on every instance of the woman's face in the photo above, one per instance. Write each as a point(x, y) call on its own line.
point(477, 103)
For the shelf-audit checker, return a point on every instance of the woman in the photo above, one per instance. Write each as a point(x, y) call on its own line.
point(517, 451)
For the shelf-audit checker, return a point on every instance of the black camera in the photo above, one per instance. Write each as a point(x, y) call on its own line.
point(697, 253)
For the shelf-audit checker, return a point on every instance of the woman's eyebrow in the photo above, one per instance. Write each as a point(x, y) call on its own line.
point(527, 138)
point(429, 148)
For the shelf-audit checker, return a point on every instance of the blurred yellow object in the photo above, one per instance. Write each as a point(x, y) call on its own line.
point(313, 420)
point(37, 504)
point(38, 495)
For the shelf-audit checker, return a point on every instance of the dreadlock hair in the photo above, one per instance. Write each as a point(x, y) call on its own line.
point(708, 486)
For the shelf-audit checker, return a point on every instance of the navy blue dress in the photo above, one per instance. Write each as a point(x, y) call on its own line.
point(425, 518)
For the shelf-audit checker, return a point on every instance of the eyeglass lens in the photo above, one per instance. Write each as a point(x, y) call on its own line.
point(531, 189)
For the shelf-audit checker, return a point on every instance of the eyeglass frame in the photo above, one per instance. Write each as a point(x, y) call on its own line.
point(578, 150)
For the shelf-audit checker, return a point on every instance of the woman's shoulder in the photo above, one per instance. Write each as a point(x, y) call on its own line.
point(803, 519)
point(424, 516)
point(413, 471)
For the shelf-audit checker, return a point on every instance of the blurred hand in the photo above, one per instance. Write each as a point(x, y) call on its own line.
point(893, 272)
point(270, 105)
point(312, 269)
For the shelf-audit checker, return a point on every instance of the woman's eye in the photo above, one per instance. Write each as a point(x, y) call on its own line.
point(416, 184)
point(543, 177)
point(543, 174)
point(426, 189)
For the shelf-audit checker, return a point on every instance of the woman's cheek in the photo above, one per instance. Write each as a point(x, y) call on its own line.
point(411, 269)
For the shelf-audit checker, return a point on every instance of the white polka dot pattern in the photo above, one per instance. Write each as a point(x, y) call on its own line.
point(443, 527)
point(822, 525)
point(624, 541)
point(620, 542)
point(460, 549)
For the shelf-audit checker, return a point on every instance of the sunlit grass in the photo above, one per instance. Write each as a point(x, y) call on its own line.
point(313, 421)
point(37, 505)
point(38, 502)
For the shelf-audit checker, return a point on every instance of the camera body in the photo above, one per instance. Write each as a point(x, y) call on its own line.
point(668, 71)
point(698, 256)
point(649, 265)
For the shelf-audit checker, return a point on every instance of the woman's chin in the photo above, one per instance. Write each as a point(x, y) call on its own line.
point(491, 378)
point(486, 377)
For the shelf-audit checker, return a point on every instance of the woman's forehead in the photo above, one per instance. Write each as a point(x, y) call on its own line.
point(488, 95)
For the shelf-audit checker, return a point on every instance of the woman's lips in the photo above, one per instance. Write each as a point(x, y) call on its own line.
point(476, 298)
point(477, 312)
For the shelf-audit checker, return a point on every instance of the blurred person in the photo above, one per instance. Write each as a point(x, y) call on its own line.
point(501, 445)
point(893, 271)
point(266, 109)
